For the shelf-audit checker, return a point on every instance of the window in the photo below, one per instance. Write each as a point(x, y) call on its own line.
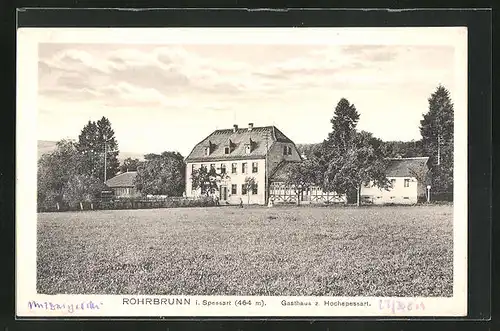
point(243, 189)
point(393, 183)
point(243, 168)
point(233, 168)
point(287, 150)
point(407, 183)
point(193, 167)
point(247, 149)
point(222, 168)
point(254, 189)
point(255, 167)
point(212, 166)
point(207, 151)
point(227, 150)
point(233, 189)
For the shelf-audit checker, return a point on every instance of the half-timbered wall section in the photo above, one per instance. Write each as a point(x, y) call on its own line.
point(281, 193)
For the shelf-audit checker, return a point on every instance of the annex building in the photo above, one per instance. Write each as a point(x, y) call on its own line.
point(409, 178)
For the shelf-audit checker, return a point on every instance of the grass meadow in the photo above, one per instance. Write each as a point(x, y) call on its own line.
point(332, 251)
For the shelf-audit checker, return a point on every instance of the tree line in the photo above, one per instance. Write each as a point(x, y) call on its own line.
point(77, 171)
point(348, 158)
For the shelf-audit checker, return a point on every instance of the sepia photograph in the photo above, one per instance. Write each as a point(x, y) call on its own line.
point(230, 163)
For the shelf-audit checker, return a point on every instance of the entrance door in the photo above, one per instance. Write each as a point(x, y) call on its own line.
point(223, 193)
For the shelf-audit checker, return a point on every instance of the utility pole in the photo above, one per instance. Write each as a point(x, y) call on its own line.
point(439, 150)
point(268, 189)
point(105, 156)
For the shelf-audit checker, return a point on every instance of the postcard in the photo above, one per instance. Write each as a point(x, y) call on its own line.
point(251, 172)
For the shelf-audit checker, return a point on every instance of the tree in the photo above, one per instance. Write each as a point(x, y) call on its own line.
point(96, 142)
point(129, 164)
point(207, 180)
point(82, 188)
point(55, 170)
point(308, 150)
point(250, 184)
point(436, 129)
point(88, 146)
point(344, 122)
point(335, 147)
point(300, 176)
point(363, 164)
point(348, 159)
point(393, 149)
point(162, 174)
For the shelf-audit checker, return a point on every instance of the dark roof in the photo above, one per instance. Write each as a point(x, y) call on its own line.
point(282, 170)
point(125, 179)
point(220, 138)
point(397, 167)
point(403, 167)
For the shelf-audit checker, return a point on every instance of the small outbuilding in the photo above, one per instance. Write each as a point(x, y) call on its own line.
point(123, 185)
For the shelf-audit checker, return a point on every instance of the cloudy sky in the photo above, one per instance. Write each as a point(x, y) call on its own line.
point(169, 97)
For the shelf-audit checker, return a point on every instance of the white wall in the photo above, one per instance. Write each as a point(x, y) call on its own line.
point(398, 194)
point(238, 178)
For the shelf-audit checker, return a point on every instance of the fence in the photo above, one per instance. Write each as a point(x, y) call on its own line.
point(132, 203)
point(281, 193)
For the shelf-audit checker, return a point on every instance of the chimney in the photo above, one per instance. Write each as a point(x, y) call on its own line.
point(235, 127)
point(250, 126)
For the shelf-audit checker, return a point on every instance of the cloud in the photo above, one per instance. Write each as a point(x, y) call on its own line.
point(135, 76)
point(168, 70)
point(375, 53)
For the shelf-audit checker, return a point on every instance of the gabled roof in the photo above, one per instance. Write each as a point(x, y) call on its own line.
point(405, 167)
point(220, 138)
point(282, 170)
point(125, 179)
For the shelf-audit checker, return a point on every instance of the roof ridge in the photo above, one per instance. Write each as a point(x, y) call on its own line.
point(264, 136)
point(123, 173)
point(246, 129)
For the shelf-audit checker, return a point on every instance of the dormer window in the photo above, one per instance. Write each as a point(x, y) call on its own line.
point(248, 146)
point(229, 147)
point(208, 148)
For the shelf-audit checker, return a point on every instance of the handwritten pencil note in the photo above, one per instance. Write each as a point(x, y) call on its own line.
point(64, 307)
point(396, 306)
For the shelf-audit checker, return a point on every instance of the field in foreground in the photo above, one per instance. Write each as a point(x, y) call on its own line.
point(373, 251)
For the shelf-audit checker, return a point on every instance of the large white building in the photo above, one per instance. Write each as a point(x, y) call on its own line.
point(265, 154)
point(239, 153)
point(409, 178)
